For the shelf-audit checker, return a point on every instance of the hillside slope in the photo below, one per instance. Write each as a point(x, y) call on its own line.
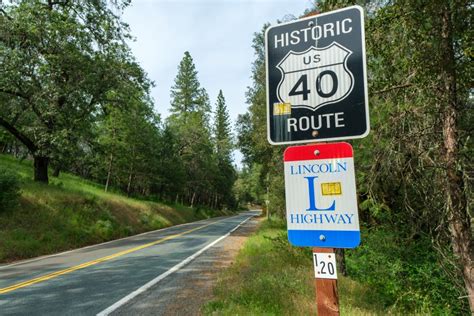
point(72, 212)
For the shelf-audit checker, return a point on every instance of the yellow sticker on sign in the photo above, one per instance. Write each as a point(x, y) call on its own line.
point(281, 108)
point(331, 188)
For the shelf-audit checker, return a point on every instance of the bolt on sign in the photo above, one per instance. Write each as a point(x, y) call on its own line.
point(317, 78)
point(321, 199)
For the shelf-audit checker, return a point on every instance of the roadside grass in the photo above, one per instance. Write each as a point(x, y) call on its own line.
point(72, 212)
point(270, 277)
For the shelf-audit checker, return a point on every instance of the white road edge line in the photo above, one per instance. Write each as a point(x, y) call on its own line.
point(153, 282)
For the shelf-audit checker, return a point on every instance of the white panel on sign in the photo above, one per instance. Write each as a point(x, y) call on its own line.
point(324, 265)
point(332, 80)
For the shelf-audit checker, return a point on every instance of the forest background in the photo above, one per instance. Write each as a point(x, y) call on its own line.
point(74, 99)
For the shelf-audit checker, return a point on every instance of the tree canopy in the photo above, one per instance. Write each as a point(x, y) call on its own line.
point(61, 63)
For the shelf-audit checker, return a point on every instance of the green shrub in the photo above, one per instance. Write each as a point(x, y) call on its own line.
point(103, 229)
point(404, 274)
point(9, 189)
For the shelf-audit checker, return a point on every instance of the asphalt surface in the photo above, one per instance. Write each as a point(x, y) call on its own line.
point(89, 280)
point(192, 286)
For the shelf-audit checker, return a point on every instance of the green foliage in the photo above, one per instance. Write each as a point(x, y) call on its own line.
point(9, 189)
point(253, 141)
point(61, 63)
point(204, 160)
point(402, 167)
point(127, 139)
point(103, 229)
point(222, 132)
point(403, 274)
point(170, 164)
point(187, 94)
point(248, 188)
point(223, 149)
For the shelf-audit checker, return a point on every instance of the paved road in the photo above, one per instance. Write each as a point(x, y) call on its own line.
point(99, 279)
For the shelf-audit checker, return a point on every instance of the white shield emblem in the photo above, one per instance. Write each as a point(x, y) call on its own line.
point(315, 77)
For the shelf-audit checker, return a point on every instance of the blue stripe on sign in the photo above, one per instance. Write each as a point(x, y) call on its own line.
point(333, 238)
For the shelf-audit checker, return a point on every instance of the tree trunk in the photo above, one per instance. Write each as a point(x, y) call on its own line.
point(130, 174)
point(129, 184)
point(192, 199)
point(341, 261)
point(109, 173)
point(456, 200)
point(41, 169)
point(56, 171)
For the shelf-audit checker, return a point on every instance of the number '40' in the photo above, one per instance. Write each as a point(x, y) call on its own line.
point(301, 86)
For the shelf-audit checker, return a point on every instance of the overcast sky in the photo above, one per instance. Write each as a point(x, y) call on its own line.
point(217, 33)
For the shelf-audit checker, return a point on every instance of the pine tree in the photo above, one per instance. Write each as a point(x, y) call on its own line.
point(190, 109)
point(187, 94)
point(222, 132)
point(223, 147)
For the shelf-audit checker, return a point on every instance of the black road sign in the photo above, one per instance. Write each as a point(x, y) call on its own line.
point(317, 78)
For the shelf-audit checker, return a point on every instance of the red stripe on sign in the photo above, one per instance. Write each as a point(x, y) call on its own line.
point(326, 151)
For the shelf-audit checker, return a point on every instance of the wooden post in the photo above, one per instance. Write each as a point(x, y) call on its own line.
point(327, 297)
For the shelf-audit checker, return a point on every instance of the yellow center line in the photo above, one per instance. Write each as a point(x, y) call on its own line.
point(96, 261)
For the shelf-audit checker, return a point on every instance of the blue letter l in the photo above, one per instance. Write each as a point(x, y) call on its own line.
point(312, 198)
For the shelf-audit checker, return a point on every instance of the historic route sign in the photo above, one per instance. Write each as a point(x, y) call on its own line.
point(317, 78)
point(321, 200)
